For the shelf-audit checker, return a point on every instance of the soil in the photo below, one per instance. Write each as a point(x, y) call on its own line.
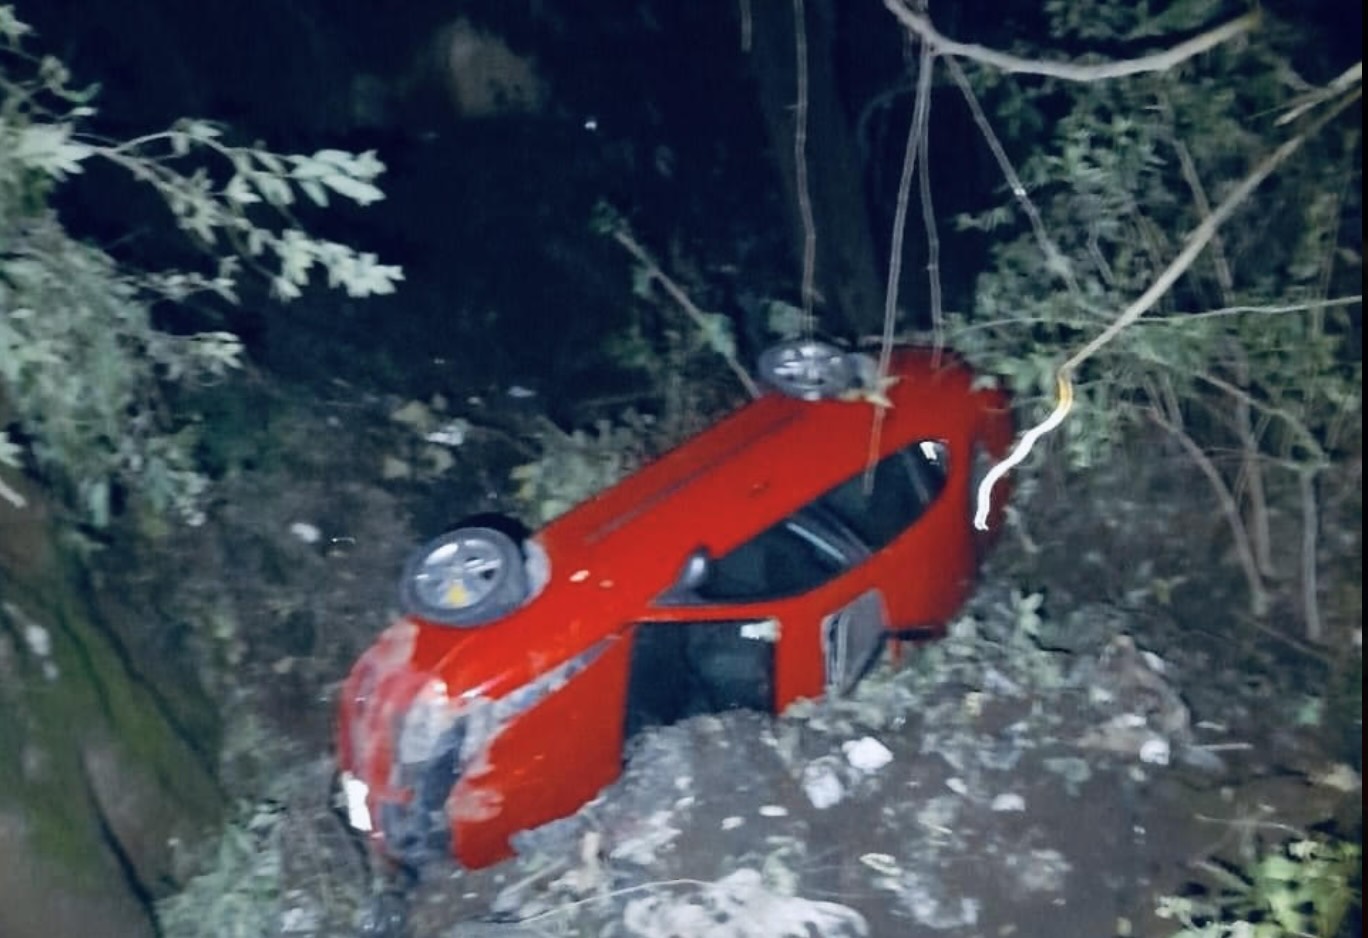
point(1084, 742)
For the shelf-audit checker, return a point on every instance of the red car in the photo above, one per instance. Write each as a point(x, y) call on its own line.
point(762, 561)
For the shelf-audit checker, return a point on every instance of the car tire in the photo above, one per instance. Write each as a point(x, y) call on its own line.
point(808, 369)
point(467, 577)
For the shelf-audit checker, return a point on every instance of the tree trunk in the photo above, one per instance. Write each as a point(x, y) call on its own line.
point(847, 272)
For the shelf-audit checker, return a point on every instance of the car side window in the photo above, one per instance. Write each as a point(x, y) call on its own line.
point(804, 551)
point(877, 507)
point(789, 558)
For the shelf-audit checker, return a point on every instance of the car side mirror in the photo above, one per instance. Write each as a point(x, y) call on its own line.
point(695, 569)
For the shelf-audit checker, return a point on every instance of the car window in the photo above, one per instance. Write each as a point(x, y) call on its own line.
point(876, 507)
point(791, 557)
point(802, 552)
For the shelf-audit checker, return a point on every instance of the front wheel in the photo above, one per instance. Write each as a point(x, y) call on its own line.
point(467, 577)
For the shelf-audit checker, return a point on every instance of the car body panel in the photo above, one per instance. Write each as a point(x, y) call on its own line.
point(460, 737)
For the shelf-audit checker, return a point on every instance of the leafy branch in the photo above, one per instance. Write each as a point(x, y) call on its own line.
point(80, 360)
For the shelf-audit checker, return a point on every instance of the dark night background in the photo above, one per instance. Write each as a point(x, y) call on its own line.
point(490, 216)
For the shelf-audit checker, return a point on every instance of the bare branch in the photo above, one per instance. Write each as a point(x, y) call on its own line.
point(1270, 310)
point(1306, 487)
point(800, 167)
point(1242, 396)
point(1258, 596)
point(1055, 262)
point(643, 257)
point(933, 277)
point(916, 137)
point(916, 134)
point(11, 495)
point(920, 24)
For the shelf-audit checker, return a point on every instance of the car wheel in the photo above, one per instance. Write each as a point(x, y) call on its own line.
point(467, 577)
point(808, 369)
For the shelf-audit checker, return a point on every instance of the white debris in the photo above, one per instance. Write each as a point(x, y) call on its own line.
point(867, 754)
point(521, 393)
point(883, 863)
point(773, 810)
point(957, 785)
point(38, 639)
point(732, 823)
point(449, 434)
point(822, 785)
point(1155, 751)
point(925, 898)
point(740, 905)
point(1340, 777)
point(298, 920)
point(308, 533)
point(1009, 801)
point(653, 835)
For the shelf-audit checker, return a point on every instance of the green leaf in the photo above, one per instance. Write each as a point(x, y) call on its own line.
point(49, 148)
point(362, 193)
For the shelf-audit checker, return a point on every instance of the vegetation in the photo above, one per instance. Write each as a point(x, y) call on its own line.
point(1179, 246)
point(82, 357)
point(1305, 887)
point(87, 362)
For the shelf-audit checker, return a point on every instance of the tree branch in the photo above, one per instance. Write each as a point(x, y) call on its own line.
point(1201, 236)
point(920, 24)
point(1055, 261)
point(677, 293)
point(1258, 595)
point(800, 123)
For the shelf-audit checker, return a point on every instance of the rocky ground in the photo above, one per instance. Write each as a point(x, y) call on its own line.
point(1084, 742)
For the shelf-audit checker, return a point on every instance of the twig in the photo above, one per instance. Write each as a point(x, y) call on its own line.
point(800, 119)
point(1258, 597)
point(1224, 276)
point(1251, 472)
point(12, 496)
point(1242, 396)
point(916, 133)
point(916, 136)
point(1201, 236)
point(1055, 261)
point(1275, 310)
point(933, 280)
point(614, 893)
point(920, 24)
point(1306, 483)
point(643, 257)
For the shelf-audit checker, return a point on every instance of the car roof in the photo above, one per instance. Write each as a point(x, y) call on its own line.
point(761, 463)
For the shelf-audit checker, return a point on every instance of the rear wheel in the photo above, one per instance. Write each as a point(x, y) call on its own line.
point(808, 369)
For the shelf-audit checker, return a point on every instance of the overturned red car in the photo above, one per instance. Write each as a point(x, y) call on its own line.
point(764, 560)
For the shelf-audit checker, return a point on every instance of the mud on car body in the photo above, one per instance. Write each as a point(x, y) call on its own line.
point(762, 561)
